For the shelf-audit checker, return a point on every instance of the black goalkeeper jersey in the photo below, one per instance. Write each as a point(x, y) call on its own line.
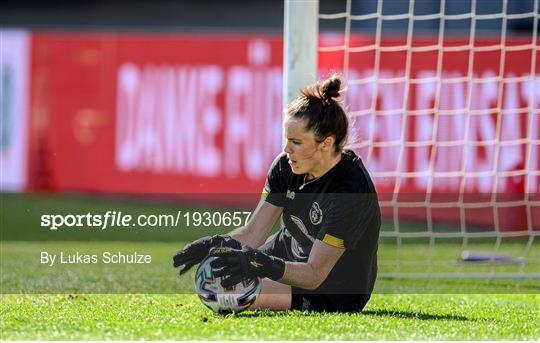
point(339, 208)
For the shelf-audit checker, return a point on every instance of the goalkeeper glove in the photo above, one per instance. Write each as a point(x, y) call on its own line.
point(196, 251)
point(237, 265)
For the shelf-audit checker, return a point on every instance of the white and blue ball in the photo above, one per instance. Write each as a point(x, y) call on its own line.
point(223, 300)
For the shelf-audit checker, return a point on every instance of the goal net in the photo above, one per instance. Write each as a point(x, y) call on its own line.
point(444, 100)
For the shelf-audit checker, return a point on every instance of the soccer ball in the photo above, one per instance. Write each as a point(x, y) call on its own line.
point(224, 300)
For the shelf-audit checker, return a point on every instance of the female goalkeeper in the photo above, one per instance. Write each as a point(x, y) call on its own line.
point(325, 256)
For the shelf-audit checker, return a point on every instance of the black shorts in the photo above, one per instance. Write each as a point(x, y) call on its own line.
point(304, 300)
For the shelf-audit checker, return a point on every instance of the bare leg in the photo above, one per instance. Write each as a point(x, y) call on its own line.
point(274, 296)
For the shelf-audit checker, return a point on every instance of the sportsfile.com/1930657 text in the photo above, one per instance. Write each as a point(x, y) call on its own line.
point(118, 219)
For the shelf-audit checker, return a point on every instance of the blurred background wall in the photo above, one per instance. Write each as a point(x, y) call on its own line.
point(173, 97)
point(241, 15)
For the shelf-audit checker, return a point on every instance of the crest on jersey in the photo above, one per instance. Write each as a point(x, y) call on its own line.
point(315, 214)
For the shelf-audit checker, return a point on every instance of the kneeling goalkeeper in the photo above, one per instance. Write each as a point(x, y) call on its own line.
point(325, 256)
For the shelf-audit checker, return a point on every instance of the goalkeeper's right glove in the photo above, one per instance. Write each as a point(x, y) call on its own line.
point(196, 251)
point(235, 265)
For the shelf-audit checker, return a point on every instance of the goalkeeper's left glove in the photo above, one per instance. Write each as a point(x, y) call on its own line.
point(196, 251)
point(237, 265)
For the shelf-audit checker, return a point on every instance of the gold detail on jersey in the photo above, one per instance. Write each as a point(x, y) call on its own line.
point(333, 241)
point(264, 194)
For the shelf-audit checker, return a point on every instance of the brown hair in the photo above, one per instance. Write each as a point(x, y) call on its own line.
point(324, 114)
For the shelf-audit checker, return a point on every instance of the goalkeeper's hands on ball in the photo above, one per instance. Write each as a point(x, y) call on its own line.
point(196, 251)
point(235, 265)
point(233, 261)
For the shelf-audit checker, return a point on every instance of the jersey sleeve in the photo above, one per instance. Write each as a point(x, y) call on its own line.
point(348, 216)
point(274, 191)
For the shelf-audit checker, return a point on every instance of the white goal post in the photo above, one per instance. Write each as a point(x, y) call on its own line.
point(301, 29)
point(445, 113)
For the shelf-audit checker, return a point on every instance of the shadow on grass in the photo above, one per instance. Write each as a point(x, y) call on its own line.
point(261, 313)
point(390, 313)
point(415, 315)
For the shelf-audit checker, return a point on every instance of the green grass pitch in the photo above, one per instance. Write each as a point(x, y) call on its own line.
point(399, 309)
point(182, 317)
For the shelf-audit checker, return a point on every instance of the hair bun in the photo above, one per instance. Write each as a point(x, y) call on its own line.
point(330, 87)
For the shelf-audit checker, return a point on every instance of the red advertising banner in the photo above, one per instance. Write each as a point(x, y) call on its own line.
point(173, 113)
point(449, 130)
point(155, 113)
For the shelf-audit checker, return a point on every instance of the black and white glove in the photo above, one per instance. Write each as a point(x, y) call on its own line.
point(235, 265)
point(196, 251)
